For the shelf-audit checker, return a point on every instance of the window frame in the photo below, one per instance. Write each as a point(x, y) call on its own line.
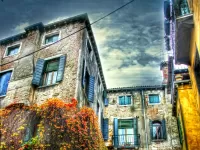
point(1, 72)
point(161, 132)
point(49, 35)
point(49, 59)
point(10, 46)
point(154, 103)
point(126, 95)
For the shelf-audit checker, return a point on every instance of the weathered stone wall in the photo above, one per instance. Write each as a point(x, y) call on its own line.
point(20, 83)
point(70, 47)
point(90, 61)
point(74, 47)
point(153, 112)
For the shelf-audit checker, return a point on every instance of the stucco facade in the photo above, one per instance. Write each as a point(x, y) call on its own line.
point(74, 46)
point(141, 108)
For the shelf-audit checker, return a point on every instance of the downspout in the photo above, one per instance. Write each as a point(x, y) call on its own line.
point(144, 114)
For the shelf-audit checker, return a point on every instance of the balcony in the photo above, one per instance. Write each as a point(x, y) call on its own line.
point(184, 25)
point(126, 141)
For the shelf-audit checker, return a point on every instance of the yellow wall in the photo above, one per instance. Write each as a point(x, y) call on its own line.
point(188, 104)
point(190, 116)
point(195, 42)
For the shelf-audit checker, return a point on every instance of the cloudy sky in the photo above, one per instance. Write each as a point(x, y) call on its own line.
point(130, 42)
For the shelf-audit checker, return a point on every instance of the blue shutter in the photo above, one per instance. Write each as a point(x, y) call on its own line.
point(38, 72)
point(151, 129)
point(135, 127)
point(106, 102)
point(91, 89)
point(167, 27)
point(61, 68)
point(28, 135)
point(83, 74)
point(167, 9)
point(105, 129)
point(115, 132)
point(4, 80)
point(164, 129)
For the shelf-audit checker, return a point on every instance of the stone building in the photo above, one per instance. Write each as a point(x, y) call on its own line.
point(54, 60)
point(140, 118)
point(183, 30)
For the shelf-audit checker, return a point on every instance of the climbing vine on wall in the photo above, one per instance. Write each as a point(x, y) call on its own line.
point(52, 125)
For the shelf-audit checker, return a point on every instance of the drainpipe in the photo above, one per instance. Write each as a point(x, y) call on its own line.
point(144, 114)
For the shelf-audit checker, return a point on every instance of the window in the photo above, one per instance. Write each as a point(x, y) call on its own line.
point(51, 38)
point(125, 131)
point(124, 100)
point(12, 50)
point(154, 98)
point(4, 80)
point(50, 72)
point(157, 130)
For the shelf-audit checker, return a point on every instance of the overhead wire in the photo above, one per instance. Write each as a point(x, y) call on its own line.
point(101, 18)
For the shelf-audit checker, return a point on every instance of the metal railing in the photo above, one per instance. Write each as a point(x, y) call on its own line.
point(181, 8)
point(126, 140)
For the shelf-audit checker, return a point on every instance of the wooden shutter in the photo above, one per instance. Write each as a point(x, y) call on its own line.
point(135, 128)
point(38, 72)
point(151, 129)
point(4, 80)
point(180, 130)
point(91, 89)
point(61, 68)
point(115, 132)
point(105, 129)
point(106, 102)
point(164, 129)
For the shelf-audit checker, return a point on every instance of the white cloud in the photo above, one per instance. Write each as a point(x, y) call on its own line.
point(56, 19)
point(20, 27)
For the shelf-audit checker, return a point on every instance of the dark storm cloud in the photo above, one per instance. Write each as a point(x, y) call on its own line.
point(140, 27)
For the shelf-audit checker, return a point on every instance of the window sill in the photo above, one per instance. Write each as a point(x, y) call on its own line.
point(2, 96)
point(154, 103)
point(48, 44)
point(158, 140)
point(44, 86)
point(125, 105)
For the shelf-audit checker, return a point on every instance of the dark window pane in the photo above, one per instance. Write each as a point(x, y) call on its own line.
point(51, 39)
point(125, 123)
point(12, 50)
point(154, 99)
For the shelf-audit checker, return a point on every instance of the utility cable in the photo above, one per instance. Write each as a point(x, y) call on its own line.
point(71, 33)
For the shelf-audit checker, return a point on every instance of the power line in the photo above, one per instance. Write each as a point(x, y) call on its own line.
point(71, 33)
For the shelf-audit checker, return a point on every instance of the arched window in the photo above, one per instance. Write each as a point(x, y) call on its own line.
point(158, 130)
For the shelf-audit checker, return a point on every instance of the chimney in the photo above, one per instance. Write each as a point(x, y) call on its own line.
point(164, 69)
